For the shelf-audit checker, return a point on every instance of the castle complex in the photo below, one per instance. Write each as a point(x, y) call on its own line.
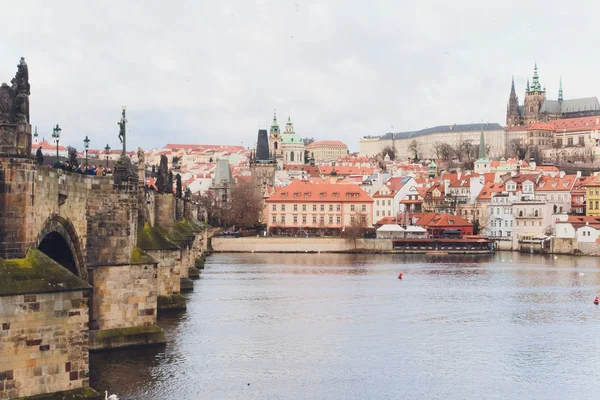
point(536, 108)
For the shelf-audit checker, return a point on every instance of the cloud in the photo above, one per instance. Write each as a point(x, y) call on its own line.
point(211, 72)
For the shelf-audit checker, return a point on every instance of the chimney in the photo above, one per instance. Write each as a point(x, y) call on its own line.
point(561, 174)
point(579, 174)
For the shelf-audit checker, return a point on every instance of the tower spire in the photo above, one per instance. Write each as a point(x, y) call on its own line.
point(560, 91)
point(512, 87)
point(535, 84)
point(527, 89)
point(482, 155)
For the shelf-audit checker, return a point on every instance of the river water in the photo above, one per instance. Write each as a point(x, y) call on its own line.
point(342, 326)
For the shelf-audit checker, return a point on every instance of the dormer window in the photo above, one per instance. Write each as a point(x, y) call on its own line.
point(296, 195)
point(306, 194)
point(283, 195)
point(322, 194)
point(336, 194)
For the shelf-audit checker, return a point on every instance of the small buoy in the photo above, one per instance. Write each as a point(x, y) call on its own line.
point(400, 276)
point(596, 300)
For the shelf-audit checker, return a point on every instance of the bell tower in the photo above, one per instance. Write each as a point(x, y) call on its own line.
point(534, 97)
point(275, 137)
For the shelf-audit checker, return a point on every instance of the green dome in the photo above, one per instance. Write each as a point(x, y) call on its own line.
point(432, 165)
point(291, 138)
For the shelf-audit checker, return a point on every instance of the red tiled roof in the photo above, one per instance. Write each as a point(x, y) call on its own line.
point(322, 143)
point(489, 189)
point(301, 191)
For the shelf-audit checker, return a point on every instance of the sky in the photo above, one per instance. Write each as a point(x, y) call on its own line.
point(213, 72)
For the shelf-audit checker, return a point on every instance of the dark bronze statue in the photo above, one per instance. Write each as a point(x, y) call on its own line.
point(178, 192)
point(170, 183)
point(163, 176)
point(122, 131)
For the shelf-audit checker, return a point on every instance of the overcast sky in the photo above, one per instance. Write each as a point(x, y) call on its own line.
point(213, 71)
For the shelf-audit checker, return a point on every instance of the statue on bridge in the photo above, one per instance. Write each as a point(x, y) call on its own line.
point(122, 131)
point(15, 130)
point(163, 175)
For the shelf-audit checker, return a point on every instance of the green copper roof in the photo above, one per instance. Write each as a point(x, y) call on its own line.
point(289, 138)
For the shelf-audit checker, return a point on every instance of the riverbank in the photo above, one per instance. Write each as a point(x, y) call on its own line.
point(327, 245)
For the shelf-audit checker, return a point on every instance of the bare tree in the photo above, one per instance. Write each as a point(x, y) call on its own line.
point(415, 148)
point(468, 149)
point(246, 207)
point(443, 151)
point(516, 149)
point(389, 151)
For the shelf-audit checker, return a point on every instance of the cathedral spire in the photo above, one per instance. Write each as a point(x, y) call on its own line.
point(512, 87)
point(527, 89)
point(560, 91)
point(535, 84)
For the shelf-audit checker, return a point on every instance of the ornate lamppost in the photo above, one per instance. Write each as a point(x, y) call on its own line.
point(107, 150)
point(56, 135)
point(86, 144)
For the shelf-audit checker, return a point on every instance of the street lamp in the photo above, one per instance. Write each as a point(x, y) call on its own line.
point(107, 150)
point(56, 135)
point(86, 144)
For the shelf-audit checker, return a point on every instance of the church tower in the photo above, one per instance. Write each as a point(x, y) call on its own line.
point(513, 117)
point(275, 137)
point(534, 97)
point(482, 165)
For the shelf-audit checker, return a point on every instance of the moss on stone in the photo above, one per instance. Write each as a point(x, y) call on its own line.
point(175, 301)
point(37, 273)
point(154, 238)
point(117, 333)
point(193, 273)
point(76, 394)
point(141, 257)
point(199, 262)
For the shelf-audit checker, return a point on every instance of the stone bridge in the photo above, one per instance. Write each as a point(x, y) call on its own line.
point(86, 262)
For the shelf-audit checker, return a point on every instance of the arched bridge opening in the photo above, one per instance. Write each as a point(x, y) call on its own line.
point(59, 241)
point(56, 247)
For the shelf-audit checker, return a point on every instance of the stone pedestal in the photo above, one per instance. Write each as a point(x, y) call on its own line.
point(17, 226)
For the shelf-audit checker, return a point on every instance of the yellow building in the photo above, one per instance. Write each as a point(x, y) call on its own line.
point(592, 196)
point(327, 150)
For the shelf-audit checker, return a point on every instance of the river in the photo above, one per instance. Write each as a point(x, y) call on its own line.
point(342, 326)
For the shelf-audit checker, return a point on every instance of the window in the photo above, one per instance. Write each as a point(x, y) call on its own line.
point(304, 219)
point(295, 207)
point(581, 141)
point(352, 207)
point(338, 220)
point(322, 220)
point(314, 207)
point(295, 219)
point(352, 219)
point(331, 207)
point(283, 207)
point(377, 202)
point(389, 202)
point(274, 207)
point(274, 219)
point(389, 213)
point(283, 219)
point(378, 213)
point(322, 207)
point(338, 207)
point(314, 219)
point(330, 219)
point(364, 207)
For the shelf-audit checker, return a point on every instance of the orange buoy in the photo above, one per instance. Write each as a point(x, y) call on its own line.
point(596, 301)
point(400, 277)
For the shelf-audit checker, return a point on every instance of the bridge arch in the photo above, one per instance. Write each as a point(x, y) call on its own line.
point(59, 240)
